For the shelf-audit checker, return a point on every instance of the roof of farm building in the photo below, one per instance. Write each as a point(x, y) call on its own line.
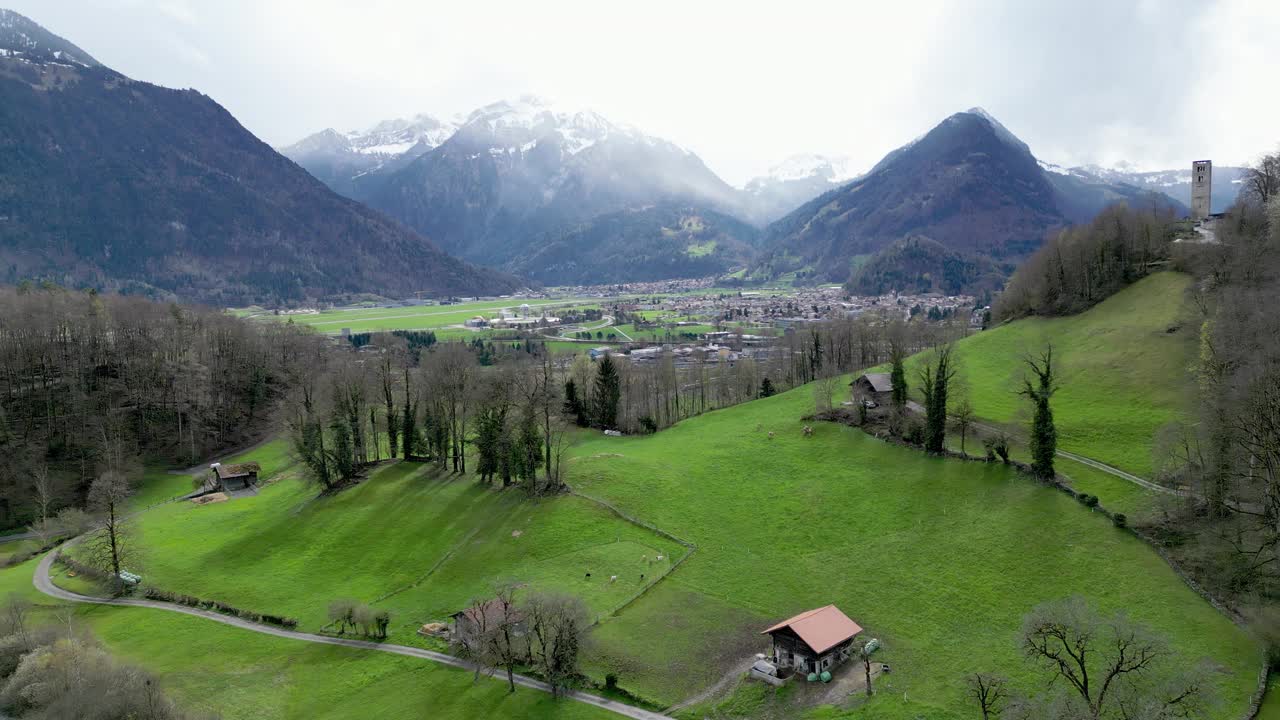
point(821, 629)
point(237, 470)
point(880, 382)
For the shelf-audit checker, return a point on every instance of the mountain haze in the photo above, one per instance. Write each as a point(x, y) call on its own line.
point(112, 183)
point(516, 171)
point(792, 183)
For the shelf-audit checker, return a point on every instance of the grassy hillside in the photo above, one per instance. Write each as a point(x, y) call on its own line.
point(409, 539)
point(1124, 370)
point(938, 558)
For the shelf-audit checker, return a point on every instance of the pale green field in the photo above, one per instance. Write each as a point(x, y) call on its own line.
point(424, 317)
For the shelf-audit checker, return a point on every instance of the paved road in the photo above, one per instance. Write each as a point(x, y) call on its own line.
point(45, 585)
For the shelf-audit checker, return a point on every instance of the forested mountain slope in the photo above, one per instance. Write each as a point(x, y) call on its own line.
point(112, 183)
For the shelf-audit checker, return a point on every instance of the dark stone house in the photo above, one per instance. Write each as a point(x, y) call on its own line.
point(813, 641)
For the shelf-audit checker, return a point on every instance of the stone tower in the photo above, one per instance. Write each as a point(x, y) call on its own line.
point(1201, 188)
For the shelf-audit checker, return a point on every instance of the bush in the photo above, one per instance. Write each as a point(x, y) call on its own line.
point(915, 433)
point(154, 593)
point(649, 424)
point(610, 681)
point(1119, 520)
point(997, 445)
point(1088, 500)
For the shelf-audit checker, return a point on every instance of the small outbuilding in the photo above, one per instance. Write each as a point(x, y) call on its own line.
point(814, 641)
point(876, 387)
point(234, 476)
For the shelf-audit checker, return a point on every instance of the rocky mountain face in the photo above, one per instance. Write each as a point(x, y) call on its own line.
point(111, 183)
point(969, 185)
point(792, 183)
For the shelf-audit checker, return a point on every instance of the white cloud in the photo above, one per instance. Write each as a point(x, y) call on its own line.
point(744, 84)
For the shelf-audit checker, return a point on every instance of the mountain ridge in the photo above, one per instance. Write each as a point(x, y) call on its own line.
point(113, 183)
point(969, 185)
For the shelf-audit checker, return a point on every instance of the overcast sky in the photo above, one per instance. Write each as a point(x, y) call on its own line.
point(744, 84)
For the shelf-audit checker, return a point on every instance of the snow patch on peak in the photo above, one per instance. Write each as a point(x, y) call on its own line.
point(1001, 131)
point(516, 124)
point(807, 165)
point(399, 136)
point(1050, 167)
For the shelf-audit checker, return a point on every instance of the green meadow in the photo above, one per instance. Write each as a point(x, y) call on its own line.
point(417, 541)
point(938, 558)
point(243, 675)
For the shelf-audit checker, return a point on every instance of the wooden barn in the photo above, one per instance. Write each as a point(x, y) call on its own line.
point(876, 387)
point(232, 477)
point(813, 641)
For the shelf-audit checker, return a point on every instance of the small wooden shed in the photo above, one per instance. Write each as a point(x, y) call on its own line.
point(234, 476)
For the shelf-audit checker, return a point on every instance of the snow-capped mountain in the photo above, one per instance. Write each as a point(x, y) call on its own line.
point(518, 173)
point(339, 158)
point(793, 182)
point(520, 125)
point(397, 137)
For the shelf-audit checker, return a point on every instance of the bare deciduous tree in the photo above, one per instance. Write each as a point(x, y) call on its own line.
point(558, 626)
point(990, 692)
point(1111, 667)
point(110, 547)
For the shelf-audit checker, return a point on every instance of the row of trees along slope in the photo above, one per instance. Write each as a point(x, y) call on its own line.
point(111, 183)
point(1226, 530)
point(1228, 450)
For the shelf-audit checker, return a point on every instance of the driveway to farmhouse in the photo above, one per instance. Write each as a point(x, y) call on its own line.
point(45, 585)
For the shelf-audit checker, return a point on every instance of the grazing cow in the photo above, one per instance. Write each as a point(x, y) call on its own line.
point(588, 576)
point(770, 434)
point(659, 558)
point(808, 431)
point(613, 578)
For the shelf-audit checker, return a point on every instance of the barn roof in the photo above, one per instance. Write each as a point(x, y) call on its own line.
point(821, 629)
point(237, 470)
point(880, 382)
point(491, 609)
